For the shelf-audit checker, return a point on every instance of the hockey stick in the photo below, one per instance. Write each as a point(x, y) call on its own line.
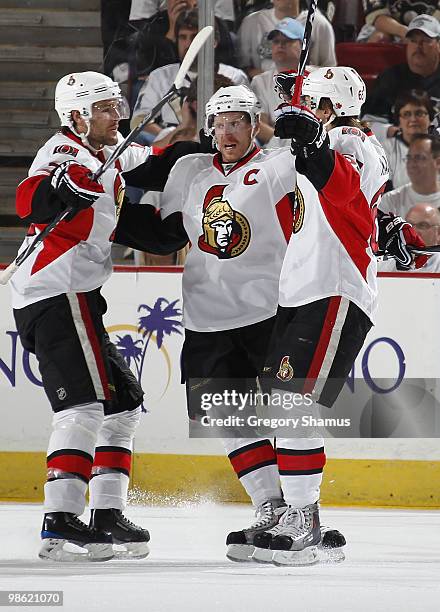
point(187, 61)
point(186, 64)
point(431, 250)
point(304, 52)
point(6, 274)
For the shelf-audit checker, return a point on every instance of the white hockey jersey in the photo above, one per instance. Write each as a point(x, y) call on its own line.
point(331, 253)
point(75, 256)
point(238, 224)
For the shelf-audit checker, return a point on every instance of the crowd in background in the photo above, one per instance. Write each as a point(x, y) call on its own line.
point(145, 40)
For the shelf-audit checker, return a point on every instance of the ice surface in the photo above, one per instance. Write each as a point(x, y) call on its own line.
point(392, 565)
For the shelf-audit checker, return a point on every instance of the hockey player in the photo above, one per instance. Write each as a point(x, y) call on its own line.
point(237, 208)
point(327, 294)
point(58, 310)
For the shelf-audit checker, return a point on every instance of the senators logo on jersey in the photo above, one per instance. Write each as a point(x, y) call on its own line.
point(285, 371)
point(119, 193)
point(298, 211)
point(226, 232)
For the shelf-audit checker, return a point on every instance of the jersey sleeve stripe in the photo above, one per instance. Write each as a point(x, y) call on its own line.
point(284, 209)
point(25, 193)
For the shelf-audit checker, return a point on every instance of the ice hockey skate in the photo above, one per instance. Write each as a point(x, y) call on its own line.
point(297, 541)
point(66, 538)
point(129, 540)
point(240, 543)
point(331, 547)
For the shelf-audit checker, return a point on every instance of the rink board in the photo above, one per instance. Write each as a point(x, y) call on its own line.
point(400, 472)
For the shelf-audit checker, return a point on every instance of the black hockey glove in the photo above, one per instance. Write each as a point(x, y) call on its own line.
point(75, 186)
point(307, 132)
point(395, 236)
point(284, 83)
point(129, 393)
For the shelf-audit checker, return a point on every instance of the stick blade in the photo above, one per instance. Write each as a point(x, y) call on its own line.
point(191, 55)
point(429, 250)
point(6, 274)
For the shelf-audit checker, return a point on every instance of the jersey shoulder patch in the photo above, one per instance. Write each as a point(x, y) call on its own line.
point(354, 131)
point(66, 149)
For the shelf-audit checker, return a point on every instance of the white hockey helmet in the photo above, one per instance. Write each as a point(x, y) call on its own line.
point(341, 84)
point(80, 90)
point(229, 99)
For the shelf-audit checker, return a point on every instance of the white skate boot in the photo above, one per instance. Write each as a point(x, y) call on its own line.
point(297, 540)
point(331, 547)
point(240, 543)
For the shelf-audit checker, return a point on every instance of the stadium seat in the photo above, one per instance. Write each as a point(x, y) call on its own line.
point(370, 59)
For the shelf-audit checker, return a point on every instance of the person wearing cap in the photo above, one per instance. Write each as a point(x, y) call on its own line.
point(286, 39)
point(255, 48)
point(421, 71)
point(387, 20)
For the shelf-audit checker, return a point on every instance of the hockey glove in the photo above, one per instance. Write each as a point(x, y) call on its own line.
point(284, 83)
point(307, 132)
point(395, 236)
point(75, 187)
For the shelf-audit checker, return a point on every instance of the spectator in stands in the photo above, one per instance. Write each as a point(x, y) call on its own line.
point(255, 48)
point(115, 38)
point(161, 79)
point(425, 219)
point(413, 113)
point(422, 71)
point(286, 39)
point(423, 165)
point(145, 9)
point(156, 42)
point(187, 128)
point(387, 20)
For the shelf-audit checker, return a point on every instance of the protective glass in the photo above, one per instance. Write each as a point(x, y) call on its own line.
point(116, 108)
point(224, 124)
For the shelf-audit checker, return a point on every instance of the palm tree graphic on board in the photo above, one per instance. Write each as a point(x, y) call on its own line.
point(160, 321)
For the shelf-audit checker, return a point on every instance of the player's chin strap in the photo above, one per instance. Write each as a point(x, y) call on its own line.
point(249, 149)
point(330, 121)
point(84, 136)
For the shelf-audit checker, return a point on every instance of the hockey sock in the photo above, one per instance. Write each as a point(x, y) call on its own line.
point(300, 465)
point(70, 457)
point(254, 462)
point(111, 468)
